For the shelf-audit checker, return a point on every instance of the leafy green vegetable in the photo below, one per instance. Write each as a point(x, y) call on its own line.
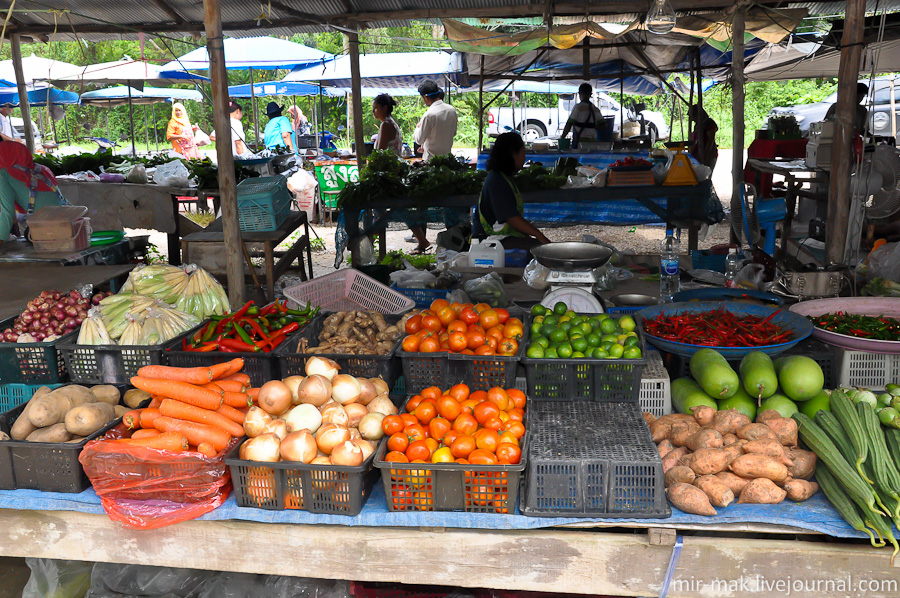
point(536, 177)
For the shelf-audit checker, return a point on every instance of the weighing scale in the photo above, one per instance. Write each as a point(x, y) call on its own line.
point(680, 172)
point(572, 266)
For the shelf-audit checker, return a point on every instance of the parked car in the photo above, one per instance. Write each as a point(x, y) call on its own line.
point(878, 101)
point(19, 126)
point(549, 122)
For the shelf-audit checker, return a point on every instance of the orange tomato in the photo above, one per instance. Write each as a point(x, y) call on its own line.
point(396, 457)
point(398, 442)
point(469, 316)
point(456, 306)
point(499, 397)
point(476, 339)
point(425, 412)
point(411, 343)
point(502, 315)
point(438, 304)
point(432, 444)
point(460, 392)
point(478, 395)
point(477, 328)
point(408, 419)
point(445, 346)
point(458, 342)
point(508, 347)
point(495, 332)
point(516, 396)
point(482, 457)
point(462, 461)
point(432, 392)
point(485, 411)
point(507, 437)
point(457, 326)
point(509, 453)
point(493, 423)
point(418, 450)
point(463, 446)
point(424, 333)
point(465, 424)
point(492, 342)
point(392, 424)
point(468, 352)
point(504, 416)
point(430, 345)
point(488, 318)
point(487, 440)
point(515, 428)
point(412, 403)
point(516, 413)
point(468, 406)
point(414, 324)
point(432, 323)
point(480, 307)
point(415, 432)
point(513, 331)
point(427, 312)
point(485, 350)
point(442, 455)
point(443, 336)
point(450, 437)
point(447, 316)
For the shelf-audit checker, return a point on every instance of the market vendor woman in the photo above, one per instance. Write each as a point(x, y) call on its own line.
point(22, 183)
point(500, 211)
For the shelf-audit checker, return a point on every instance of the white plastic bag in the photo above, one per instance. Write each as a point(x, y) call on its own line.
point(535, 276)
point(62, 579)
point(884, 262)
point(201, 138)
point(751, 276)
point(599, 179)
point(412, 278)
point(137, 175)
point(171, 174)
point(301, 181)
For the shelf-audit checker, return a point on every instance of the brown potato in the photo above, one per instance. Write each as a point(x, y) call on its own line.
point(134, 397)
point(54, 433)
point(682, 431)
point(674, 418)
point(736, 483)
point(121, 410)
point(703, 414)
point(769, 447)
point(49, 409)
point(22, 427)
point(720, 495)
point(79, 395)
point(106, 393)
point(804, 463)
point(664, 447)
point(709, 461)
point(759, 466)
point(729, 421)
point(673, 458)
point(686, 460)
point(785, 430)
point(707, 438)
point(729, 439)
point(680, 474)
point(800, 490)
point(762, 491)
point(84, 420)
point(690, 499)
point(755, 432)
point(648, 417)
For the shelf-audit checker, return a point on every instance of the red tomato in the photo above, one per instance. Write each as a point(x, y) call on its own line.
point(486, 439)
point(508, 453)
point(418, 450)
point(457, 326)
point(502, 315)
point(508, 347)
point(414, 324)
point(408, 419)
point(447, 316)
point(516, 396)
point(432, 323)
point(463, 446)
point(415, 432)
point(392, 424)
point(476, 339)
point(438, 304)
point(430, 345)
point(485, 350)
point(396, 457)
point(465, 424)
point(513, 330)
point(469, 316)
point(460, 392)
point(488, 318)
point(425, 412)
point(398, 442)
point(458, 342)
point(515, 428)
point(413, 402)
point(499, 397)
point(439, 428)
point(411, 343)
point(450, 437)
point(485, 411)
point(448, 407)
point(480, 307)
point(482, 457)
point(432, 392)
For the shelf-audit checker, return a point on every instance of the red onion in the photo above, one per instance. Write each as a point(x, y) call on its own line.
point(74, 294)
point(59, 314)
point(44, 307)
point(96, 299)
point(79, 320)
point(45, 319)
point(46, 294)
point(38, 336)
point(38, 301)
point(57, 295)
point(26, 317)
point(71, 310)
point(19, 327)
point(70, 323)
point(71, 301)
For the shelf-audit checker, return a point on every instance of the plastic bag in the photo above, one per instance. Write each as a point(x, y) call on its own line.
point(201, 138)
point(171, 174)
point(458, 296)
point(751, 276)
point(884, 262)
point(444, 258)
point(137, 175)
point(576, 182)
point(535, 275)
point(239, 585)
point(57, 578)
point(487, 289)
point(411, 277)
point(114, 580)
point(599, 179)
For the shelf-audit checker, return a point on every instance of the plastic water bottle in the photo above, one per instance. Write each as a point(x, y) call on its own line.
point(669, 279)
point(732, 267)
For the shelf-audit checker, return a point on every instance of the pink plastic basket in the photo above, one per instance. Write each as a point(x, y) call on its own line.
point(346, 290)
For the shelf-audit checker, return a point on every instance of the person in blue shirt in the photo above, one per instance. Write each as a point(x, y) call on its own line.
point(279, 131)
point(500, 211)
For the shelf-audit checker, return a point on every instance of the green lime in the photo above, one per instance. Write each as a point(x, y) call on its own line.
point(607, 326)
point(535, 352)
point(632, 353)
point(621, 339)
point(564, 350)
point(571, 313)
point(546, 329)
point(552, 320)
point(594, 340)
point(577, 354)
point(626, 323)
point(600, 353)
point(589, 352)
point(558, 335)
point(632, 341)
point(567, 326)
point(539, 319)
point(560, 308)
point(579, 344)
point(564, 319)
point(616, 351)
point(596, 323)
point(605, 346)
point(543, 341)
point(551, 353)
point(536, 328)
point(610, 338)
point(585, 327)
point(538, 310)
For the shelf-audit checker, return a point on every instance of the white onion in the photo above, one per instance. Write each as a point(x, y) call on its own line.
point(381, 387)
point(348, 454)
point(335, 414)
point(303, 417)
point(262, 448)
point(321, 461)
point(327, 405)
point(382, 404)
point(315, 390)
point(255, 421)
point(354, 433)
point(277, 427)
point(293, 383)
point(355, 412)
point(329, 436)
point(370, 426)
point(365, 446)
point(275, 397)
point(299, 446)
point(345, 389)
point(322, 366)
point(367, 391)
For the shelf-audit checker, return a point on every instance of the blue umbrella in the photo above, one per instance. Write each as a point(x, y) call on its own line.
point(281, 88)
point(9, 96)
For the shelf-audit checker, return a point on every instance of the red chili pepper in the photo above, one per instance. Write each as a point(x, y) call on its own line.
point(285, 330)
point(254, 325)
point(236, 345)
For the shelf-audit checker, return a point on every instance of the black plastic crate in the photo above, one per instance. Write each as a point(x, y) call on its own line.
point(32, 363)
point(292, 362)
point(333, 489)
point(582, 379)
point(44, 466)
point(444, 369)
point(594, 459)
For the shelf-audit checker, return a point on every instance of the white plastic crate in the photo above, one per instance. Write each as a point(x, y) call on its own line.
point(348, 289)
point(655, 396)
point(866, 370)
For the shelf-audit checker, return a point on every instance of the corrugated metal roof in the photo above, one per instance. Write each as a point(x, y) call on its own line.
point(817, 9)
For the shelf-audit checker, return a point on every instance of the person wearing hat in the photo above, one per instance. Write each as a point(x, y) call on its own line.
point(279, 132)
point(585, 118)
point(238, 139)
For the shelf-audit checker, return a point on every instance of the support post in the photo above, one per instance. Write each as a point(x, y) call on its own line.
point(255, 112)
point(737, 104)
point(24, 106)
point(146, 128)
point(131, 121)
point(356, 85)
point(701, 121)
point(215, 44)
point(844, 118)
point(480, 108)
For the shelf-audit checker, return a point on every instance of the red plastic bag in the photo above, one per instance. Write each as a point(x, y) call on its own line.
point(145, 488)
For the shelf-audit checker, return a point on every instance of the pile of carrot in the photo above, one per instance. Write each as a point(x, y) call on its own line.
point(200, 408)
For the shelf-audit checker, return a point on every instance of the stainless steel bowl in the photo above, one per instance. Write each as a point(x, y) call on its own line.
point(571, 256)
point(633, 300)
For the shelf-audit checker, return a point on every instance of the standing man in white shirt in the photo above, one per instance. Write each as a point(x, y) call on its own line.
point(435, 133)
point(6, 128)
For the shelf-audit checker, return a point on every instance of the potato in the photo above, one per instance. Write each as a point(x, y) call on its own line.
point(785, 430)
point(707, 438)
point(709, 461)
point(682, 431)
point(54, 433)
point(804, 463)
point(703, 414)
point(120, 410)
point(766, 414)
point(769, 447)
point(759, 466)
point(729, 439)
point(673, 458)
point(105, 393)
point(720, 495)
point(49, 409)
point(43, 390)
point(134, 397)
point(79, 395)
point(800, 490)
point(729, 421)
point(84, 420)
point(762, 491)
point(755, 432)
point(680, 475)
point(690, 499)
point(75, 440)
point(648, 417)
point(735, 483)
point(734, 450)
point(22, 427)
point(664, 448)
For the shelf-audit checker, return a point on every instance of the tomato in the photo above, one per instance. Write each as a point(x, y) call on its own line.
point(494, 423)
point(447, 316)
point(492, 342)
point(478, 329)
point(516, 414)
point(502, 315)
point(508, 453)
point(508, 347)
point(468, 406)
point(513, 331)
point(425, 412)
point(401, 497)
point(504, 416)
point(485, 410)
point(432, 444)
point(427, 312)
point(422, 501)
point(482, 457)
point(465, 424)
point(462, 461)
point(438, 304)
point(432, 323)
point(468, 352)
point(516, 396)
point(487, 440)
point(515, 428)
point(448, 407)
point(478, 396)
point(413, 402)
point(424, 333)
point(411, 343)
point(450, 437)
point(409, 419)
point(460, 392)
point(418, 450)
point(432, 392)
point(458, 342)
point(480, 307)
point(442, 455)
point(488, 318)
point(414, 324)
point(485, 350)
point(457, 326)
point(431, 400)
point(499, 397)
point(476, 339)
point(430, 345)
point(463, 446)
point(398, 442)
point(469, 316)
point(415, 432)
point(443, 336)
point(456, 306)
point(392, 424)
point(507, 437)
point(396, 457)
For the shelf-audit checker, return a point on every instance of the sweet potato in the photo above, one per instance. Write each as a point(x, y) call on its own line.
point(766, 414)
point(690, 499)
point(672, 459)
point(660, 430)
point(106, 393)
point(709, 461)
point(728, 439)
point(686, 460)
point(768, 447)
point(720, 495)
point(648, 417)
point(736, 483)
point(762, 491)
point(800, 490)
point(785, 430)
point(703, 414)
point(755, 432)
point(675, 418)
point(707, 438)
point(682, 431)
point(664, 447)
point(680, 475)
point(134, 397)
point(729, 421)
point(734, 450)
point(54, 433)
point(759, 466)
point(804, 463)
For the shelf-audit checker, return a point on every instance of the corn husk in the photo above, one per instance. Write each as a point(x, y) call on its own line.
point(160, 281)
point(203, 296)
point(93, 330)
point(131, 335)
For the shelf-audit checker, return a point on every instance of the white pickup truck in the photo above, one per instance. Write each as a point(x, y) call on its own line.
point(549, 122)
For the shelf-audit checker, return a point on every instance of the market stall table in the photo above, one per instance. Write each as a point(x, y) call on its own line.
point(120, 252)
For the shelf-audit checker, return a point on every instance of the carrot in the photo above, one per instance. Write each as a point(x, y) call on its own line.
point(253, 393)
point(195, 433)
point(132, 419)
point(226, 369)
point(240, 377)
point(179, 410)
point(228, 385)
point(155, 400)
point(237, 400)
point(184, 392)
point(171, 441)
point(142, 433)
point(207, 449)
point(200, 375)
point(148, 415)
point(214, 386)
point(235, 415)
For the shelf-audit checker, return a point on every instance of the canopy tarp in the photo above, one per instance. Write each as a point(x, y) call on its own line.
point(118, 96)
point(128, 72)
point(9, 96)
point(256, 53)
point(391, 70)
point(282, 88)
point(38, 68)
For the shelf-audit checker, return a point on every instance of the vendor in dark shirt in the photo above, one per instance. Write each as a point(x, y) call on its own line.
point(500, 209)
